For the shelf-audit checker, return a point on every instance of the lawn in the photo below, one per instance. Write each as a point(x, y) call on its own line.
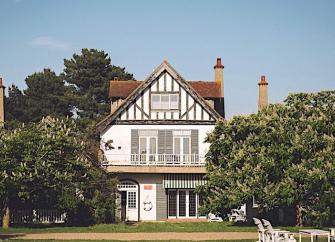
point(143, 227)
point(252, 240)
point(245, 240)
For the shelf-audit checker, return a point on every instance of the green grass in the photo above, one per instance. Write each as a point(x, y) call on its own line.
point(242, 240)
point(138, 227)
point(245, 240)
point(143, 227)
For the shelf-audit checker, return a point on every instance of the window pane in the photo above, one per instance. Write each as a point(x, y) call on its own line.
point(172, 203)
point(131, 199)
point(186, 146)
point(182, 203)
point(177, 146)
point(143, 145)
point(174, 101)
point(165, 102)
point(153, 149)
point(192, 203)
point(155, 101)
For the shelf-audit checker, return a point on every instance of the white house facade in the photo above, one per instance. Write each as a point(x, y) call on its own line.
point(153, 140)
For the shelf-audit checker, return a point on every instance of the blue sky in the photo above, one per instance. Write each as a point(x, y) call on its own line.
point(291, 42)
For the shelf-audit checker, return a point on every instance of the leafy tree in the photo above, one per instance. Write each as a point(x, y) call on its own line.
point(40, 164)
point(282, 156)
point(89, 73)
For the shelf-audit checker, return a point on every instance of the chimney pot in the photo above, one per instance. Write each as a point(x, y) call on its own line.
point(218, 63)
point(263, 80)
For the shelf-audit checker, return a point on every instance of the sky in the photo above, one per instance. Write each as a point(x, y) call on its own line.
point(291, 42)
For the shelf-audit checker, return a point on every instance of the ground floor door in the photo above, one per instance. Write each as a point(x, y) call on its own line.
point(129, 201)
point(123, 205)
point(183, 203)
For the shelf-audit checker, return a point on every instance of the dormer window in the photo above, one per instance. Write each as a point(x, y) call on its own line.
point(164, 101)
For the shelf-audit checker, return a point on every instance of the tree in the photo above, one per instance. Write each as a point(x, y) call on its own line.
point(15, 105)
point(40, 164)
point(46, 95)
point(89, 74)
point(282, 156)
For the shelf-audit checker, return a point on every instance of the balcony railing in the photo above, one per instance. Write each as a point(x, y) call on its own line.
point(154, 160)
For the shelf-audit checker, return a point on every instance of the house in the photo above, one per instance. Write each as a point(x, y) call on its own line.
point(153, 140)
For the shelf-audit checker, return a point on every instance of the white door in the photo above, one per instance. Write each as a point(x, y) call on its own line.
point(129, 200)
point(148, 149)
point(132, 206)
point(182, 203)
point(182, 149)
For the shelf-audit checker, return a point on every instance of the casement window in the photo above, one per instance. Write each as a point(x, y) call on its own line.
point(164, 101)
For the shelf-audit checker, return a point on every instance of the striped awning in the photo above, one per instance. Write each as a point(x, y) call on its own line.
point(174, 181)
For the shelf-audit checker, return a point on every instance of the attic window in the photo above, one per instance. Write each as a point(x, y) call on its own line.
point(164, 101)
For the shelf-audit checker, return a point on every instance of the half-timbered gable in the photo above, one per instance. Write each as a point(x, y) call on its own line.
point(164, 97)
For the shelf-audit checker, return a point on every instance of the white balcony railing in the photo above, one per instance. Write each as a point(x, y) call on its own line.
point(154, 160)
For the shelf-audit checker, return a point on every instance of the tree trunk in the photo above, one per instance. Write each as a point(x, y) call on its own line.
point(6, 218)
point(299, 215)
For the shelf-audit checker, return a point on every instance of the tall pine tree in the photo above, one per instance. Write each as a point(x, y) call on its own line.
point(89, 73)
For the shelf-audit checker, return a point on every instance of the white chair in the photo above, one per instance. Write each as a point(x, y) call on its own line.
point(237, 216)
point(261, 230)
point(277, 235)
point(214, 218)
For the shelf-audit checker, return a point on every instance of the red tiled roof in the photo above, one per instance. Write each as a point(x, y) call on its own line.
point(206, 89)
point(122, 89)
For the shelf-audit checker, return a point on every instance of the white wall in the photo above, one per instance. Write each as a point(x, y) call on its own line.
point(146, 181)
point(121, 136)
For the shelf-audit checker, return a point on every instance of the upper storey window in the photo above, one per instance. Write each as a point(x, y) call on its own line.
point(164, 101)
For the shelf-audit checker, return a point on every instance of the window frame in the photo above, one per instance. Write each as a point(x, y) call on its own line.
point(158, 107)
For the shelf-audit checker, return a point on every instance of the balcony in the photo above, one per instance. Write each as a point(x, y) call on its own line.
point(169, 160)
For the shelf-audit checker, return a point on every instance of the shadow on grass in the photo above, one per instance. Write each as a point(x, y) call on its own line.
point(10, 236)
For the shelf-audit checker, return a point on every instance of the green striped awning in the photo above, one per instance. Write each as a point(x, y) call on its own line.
point(174, 181)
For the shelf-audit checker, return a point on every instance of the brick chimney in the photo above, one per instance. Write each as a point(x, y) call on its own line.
point(263, 100)
point(218, 78)
point(218, 75)
point(2, 104)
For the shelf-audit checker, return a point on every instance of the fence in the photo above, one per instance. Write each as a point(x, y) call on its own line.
point(44, 216)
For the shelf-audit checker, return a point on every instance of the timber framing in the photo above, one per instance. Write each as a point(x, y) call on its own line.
point(166, 122)
point(161, 69)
